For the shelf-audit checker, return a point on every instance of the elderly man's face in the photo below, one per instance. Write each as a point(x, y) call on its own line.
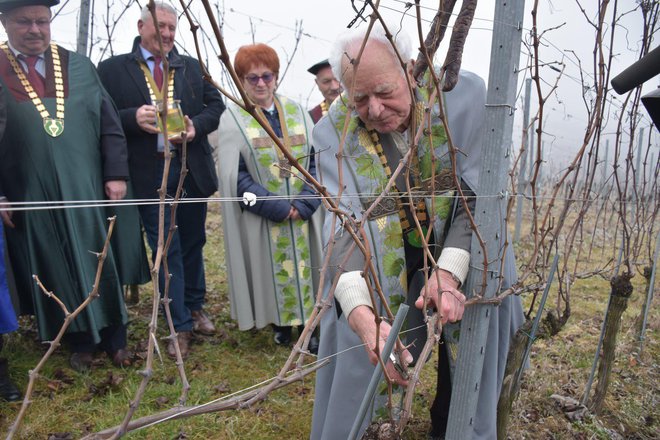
point(379, 89)
point(28, 29)
point(149, 37)
point(328, 84)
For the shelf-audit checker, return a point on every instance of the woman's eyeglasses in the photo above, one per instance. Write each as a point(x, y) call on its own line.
point(254, 79)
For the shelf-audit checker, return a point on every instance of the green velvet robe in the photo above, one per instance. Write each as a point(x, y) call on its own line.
point(59, 245)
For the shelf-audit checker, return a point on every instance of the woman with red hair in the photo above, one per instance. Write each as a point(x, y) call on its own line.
point(272, 238)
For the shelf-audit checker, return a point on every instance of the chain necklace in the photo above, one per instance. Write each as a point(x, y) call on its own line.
point(53, 126)
point(153, 88)
point(419, 203)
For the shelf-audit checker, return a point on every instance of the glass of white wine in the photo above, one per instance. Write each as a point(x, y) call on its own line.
point(175, 122)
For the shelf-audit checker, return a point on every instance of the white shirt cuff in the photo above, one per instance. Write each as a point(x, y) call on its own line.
point(352, 291)
point(456, 261)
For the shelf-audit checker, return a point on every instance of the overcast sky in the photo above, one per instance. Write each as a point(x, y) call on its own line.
point(274, 23)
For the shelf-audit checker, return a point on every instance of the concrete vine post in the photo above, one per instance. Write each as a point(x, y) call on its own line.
point(500, 102)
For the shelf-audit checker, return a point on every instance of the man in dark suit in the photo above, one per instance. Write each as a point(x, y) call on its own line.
point(135, 81)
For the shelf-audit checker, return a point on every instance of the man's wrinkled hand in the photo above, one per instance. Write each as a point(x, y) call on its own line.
point(145, 117)
point(6, 215)
point(362, 322)
point(444, 296)
point(115, 189)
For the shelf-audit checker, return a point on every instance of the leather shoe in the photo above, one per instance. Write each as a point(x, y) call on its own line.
point(313, 346)
point(185, 340)
point(122, 358)
point(8, 391)
point(201, 323)
point(132, 294)
point(81, 361)
point(282, 335)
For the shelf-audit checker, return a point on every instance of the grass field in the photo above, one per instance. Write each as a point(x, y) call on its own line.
point(67, 404)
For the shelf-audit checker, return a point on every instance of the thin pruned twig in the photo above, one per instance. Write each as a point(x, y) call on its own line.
point(68, 318)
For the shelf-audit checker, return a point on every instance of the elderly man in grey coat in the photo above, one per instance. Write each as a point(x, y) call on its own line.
point(386, 108)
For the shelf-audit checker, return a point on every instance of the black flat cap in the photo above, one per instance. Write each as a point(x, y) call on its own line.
point(318, 66)
point(8, 5)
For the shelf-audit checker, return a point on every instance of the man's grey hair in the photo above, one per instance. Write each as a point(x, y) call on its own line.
point(160, 5)
point(355, 36)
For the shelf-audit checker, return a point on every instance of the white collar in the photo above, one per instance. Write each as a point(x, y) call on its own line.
point(146, 54)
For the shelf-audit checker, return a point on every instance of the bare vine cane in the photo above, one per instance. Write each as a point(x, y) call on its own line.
point(68, 318)
point(429, 345)
point(547, 236)
point(299, 350)
point(172, 230)
point(427, 49)
point(323, 304)
point(369, 268)
point(111, 28)
point(328, 201)
point(592, 131)
point(435, 91)
point(632, 231)
point(355, 228)
point(573, 168)
point(369, 273)
point(185, 385)
point(451, 66)
point(332, 206)
point(161, 256)
point(250, 107)
point(536, 78)
point(355, 63)
point(220, 404)
point(244, 400)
